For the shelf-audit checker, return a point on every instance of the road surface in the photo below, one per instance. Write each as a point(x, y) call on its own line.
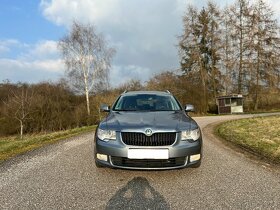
point(63, 176)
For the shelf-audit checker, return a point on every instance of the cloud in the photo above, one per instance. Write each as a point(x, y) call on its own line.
point(37, 65)
point(45, 48)
point(63, 12)
point(123, 74)
point(7, 45)
point(30, 62)
point(143, 32)
point(42, 50)
point(30, 71)
point(9, 42)
point(4, 49)
point(41, 61)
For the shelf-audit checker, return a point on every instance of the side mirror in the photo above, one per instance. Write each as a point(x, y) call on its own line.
point(104, 108)
point(189, 108)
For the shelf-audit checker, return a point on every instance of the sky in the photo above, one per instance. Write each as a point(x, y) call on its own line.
point(143, 32)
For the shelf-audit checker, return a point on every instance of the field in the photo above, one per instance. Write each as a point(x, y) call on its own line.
point(259, 135)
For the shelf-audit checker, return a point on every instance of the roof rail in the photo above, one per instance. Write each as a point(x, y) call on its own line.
point(167, 91)
point(125, 91)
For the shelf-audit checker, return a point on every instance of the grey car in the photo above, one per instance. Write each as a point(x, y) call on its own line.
point(147, 130)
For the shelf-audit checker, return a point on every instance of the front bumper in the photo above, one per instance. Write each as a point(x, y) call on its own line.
point(117, 153)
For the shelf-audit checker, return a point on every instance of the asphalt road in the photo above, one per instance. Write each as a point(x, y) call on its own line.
point(63, 176)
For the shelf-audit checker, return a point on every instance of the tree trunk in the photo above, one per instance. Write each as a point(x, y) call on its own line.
point(86, 89)
point(257, 82)
point(205, 99)
point(240, 71)
point(257, 92)
point(21, 129)
point(87, 99)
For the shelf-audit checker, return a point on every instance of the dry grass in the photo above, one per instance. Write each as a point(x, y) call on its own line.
point(261, 135)
point(12, 146)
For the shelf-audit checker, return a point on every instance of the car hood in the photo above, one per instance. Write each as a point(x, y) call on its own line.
point(172, 121)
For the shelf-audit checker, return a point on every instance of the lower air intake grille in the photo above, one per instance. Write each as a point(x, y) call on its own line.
point(148, 163)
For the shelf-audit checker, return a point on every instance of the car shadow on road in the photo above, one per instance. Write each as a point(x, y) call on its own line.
point(137, 194)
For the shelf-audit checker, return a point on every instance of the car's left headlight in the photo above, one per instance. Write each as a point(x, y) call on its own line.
point(190, 134)
point(106, 135)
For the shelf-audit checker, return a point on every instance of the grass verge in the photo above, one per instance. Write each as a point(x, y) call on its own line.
point(260, 135)
point(12, 146)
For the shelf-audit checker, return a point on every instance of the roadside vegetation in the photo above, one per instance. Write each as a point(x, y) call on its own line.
point(14, 145)
point(260, 135)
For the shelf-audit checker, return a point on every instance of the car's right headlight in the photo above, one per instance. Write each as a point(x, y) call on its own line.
point(190, 134)
point(106, 135)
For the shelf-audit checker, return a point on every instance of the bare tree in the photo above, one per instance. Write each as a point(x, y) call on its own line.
point(215, 46)
point(228, 57)
point(266, 47)
point(18, 105)
point(87, 58)
point(199, 49)
point(239, 14)
point(193, 48)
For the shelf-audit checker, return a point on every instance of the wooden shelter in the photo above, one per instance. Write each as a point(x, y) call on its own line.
point(230, 104)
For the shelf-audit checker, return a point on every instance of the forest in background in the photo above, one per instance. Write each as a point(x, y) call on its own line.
point(222, 51)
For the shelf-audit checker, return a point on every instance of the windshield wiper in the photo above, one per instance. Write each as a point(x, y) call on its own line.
point(144, 110)
point(125, 110)
point(164, 110)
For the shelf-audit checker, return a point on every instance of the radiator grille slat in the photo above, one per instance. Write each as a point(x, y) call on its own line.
point(140, 139)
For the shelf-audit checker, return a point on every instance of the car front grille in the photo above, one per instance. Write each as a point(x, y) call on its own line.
point(140, 139)
point(148, 163)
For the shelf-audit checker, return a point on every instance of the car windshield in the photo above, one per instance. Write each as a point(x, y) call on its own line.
point(146, 102)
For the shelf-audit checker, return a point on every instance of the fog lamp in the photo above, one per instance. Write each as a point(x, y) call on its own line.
point(102, 157)
point(194, 157)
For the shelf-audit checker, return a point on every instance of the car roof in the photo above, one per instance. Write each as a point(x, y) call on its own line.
point(146, 92)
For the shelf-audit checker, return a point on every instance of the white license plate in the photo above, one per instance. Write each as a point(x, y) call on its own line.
point(148, 154)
